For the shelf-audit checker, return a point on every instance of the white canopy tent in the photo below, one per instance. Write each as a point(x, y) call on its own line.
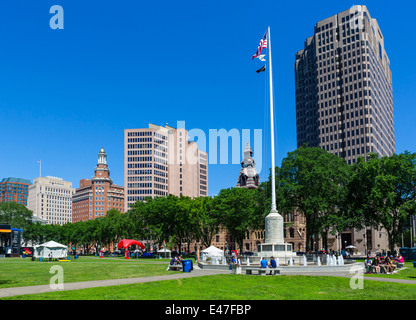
point(58, 250)
point(164, 252)
point(214, 253)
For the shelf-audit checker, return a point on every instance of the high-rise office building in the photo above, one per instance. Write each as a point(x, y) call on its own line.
point(97, 195)
point(344, 100)
point(14, 190)
point(50, 198)
point(161, 160)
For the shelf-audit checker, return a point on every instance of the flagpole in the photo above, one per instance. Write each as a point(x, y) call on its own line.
point(273, 208)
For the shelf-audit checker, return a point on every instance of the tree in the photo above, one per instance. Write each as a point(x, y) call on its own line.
point(209, 220)
point(382, 192)
point(15, 214)
point(238, 212)
point(312, 181)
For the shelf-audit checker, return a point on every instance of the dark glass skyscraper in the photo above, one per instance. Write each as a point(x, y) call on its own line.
point(344, 95)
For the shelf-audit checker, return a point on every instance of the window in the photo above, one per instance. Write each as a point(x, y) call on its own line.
point(380, 51)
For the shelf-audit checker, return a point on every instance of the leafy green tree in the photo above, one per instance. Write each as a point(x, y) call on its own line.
point(382, 192)
point(208, 220)
point(238, 212)
point(312, 181)
point(15, 214)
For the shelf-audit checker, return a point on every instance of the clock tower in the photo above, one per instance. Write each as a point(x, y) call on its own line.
point(96, 196)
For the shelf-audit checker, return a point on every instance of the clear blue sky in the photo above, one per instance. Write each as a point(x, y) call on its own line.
point(64, 94)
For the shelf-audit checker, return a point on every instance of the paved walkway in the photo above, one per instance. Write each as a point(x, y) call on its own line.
point(9, 292)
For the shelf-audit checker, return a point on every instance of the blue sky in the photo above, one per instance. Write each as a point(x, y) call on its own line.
point(116, 65)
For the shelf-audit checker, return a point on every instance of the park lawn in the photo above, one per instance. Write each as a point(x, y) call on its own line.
point(240, 287)
point(17, 272)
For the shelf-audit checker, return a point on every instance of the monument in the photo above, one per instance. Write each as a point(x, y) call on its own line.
point(274, 244)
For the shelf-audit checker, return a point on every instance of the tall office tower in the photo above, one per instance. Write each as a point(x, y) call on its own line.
point(159, 161)
point(14, 190)
point(344, 100)
point(50, 198)
point(96, 196)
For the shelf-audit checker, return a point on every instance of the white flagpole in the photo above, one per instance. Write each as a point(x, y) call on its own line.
point(273, 208)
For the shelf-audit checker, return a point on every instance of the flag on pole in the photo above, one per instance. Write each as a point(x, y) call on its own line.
point(261, 69)
point(262, 45)
point(261, 57)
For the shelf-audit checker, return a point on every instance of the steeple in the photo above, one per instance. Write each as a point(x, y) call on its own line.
point(248, 177)
point(247, 151)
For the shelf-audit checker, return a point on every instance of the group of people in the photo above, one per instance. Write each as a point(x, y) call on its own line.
point(380, 264)
point(265, 264)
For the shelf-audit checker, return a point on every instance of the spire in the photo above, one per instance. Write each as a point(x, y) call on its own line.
point(248, 177)
point(247, 151)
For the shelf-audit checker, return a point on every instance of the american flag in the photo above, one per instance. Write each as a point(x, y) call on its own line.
point(263, 44)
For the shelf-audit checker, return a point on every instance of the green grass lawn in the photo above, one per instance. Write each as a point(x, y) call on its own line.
point(240, 287)
point(17, 272)
point(23, 272)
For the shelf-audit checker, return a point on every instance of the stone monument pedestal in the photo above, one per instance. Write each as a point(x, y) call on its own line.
point(274, 244)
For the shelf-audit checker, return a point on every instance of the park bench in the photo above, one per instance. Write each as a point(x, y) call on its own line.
point(175, 267)
point(262, 271)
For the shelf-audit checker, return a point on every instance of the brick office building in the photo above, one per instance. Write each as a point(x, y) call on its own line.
point(14, 190)
point(96, 196)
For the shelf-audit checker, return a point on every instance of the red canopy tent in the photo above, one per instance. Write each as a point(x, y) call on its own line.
point(125, 243)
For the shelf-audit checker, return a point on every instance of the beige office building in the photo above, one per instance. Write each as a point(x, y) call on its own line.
point(50, 198)
point(159, 161)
